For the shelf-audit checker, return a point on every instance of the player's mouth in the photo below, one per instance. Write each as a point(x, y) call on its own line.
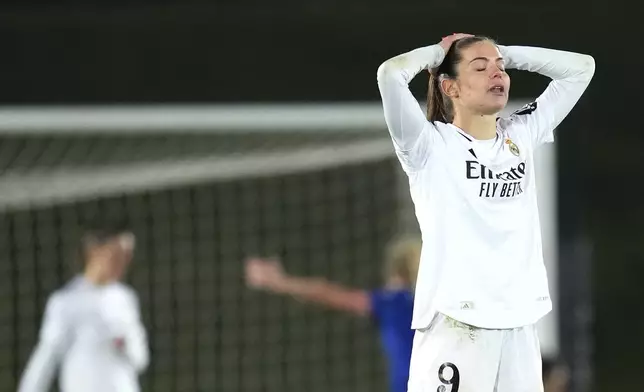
point(497, 89)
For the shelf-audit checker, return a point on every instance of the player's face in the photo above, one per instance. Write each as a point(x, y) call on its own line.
point(122, 250)
point(483, 85)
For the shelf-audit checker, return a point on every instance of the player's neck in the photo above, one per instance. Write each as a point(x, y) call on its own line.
point(395, 283)
point(95, 275)
point(480, 127)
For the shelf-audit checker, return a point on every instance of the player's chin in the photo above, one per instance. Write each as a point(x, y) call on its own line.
point(494, 105)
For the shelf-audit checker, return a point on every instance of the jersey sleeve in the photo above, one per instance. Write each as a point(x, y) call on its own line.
point(377, 301)
point(385, 303)
point(54, 327)
point(410, 131)
point(44, 360)
point(136, 339)
point(571, 74)
point(127, 325)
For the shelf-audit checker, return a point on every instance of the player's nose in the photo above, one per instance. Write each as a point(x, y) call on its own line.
point(497, 74)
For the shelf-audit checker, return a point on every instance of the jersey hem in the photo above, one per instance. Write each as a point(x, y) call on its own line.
point(489, 319)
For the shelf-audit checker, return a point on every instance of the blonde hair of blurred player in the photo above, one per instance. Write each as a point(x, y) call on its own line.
point(400, 268)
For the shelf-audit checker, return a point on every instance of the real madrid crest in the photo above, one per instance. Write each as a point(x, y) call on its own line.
point(513, 147)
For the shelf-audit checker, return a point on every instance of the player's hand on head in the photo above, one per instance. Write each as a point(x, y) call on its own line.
point(447, 41)
point(263, 273)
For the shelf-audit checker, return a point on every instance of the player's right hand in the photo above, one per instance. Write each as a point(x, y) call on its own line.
point(263, 273)
point(447, 42)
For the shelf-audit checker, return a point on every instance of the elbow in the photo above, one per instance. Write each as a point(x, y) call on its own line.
point(141, 362)
point(388, 71)
point(143, 365)
point(588, 64)
point(383, 71)
point(587, 67)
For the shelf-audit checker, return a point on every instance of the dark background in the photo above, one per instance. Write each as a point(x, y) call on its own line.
point(77, 52)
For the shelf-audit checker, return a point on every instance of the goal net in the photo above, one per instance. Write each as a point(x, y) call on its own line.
point(202, 188)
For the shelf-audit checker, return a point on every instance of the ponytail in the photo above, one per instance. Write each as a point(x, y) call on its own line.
point(437, 108)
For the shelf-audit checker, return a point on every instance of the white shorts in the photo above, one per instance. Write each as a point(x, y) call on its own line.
point(450, 356)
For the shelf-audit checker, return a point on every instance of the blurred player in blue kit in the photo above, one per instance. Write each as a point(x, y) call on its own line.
point(390, 307)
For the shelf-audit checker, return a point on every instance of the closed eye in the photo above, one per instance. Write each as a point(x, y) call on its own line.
point(481, 63)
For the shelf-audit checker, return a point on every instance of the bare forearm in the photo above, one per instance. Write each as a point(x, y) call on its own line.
point(309, 288)
point(323, 292)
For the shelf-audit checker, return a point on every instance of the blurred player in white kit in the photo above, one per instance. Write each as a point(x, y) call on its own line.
point(92, 328)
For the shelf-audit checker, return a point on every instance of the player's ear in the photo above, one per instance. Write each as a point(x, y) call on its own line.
point(449, 87)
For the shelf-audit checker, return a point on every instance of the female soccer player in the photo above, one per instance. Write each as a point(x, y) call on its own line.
point(391, 307)
point(482, 283)
point(92, 326)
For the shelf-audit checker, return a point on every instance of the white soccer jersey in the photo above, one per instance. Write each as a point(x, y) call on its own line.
point(95, 335)
point(476, 201)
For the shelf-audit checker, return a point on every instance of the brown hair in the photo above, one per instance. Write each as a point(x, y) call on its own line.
point(96, 235)
point(439, 107)
point(402, 259)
